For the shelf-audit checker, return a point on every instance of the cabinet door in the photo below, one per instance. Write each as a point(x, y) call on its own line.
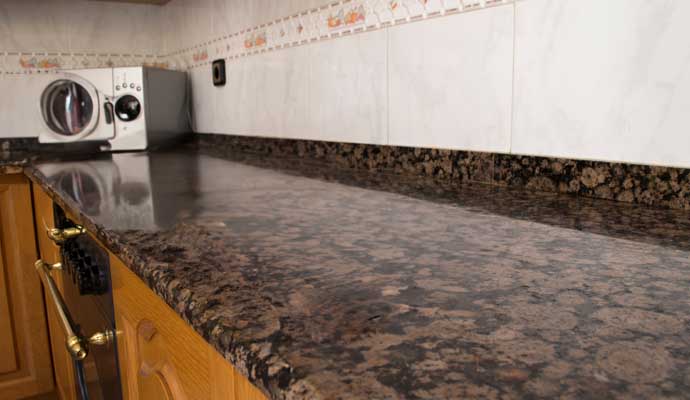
point(161, 357)
point(25, 365)
point(50, 253)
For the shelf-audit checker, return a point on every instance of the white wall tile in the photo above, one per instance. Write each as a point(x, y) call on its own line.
point(233, 105)
point(605, 80)
point(79, 25)
point(34, 25)
point(115, 27)
point(203, 99)
point(265, 95)
point(281, 89)
point(451, 81)
point(348, 89)
point(187, 23)
point(20, 112)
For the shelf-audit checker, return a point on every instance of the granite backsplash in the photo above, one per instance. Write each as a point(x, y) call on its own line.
point(642, 184)
point(664, 187)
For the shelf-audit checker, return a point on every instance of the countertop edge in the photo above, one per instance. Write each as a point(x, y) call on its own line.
point(238, 355)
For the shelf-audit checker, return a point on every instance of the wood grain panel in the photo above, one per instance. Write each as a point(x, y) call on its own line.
point(49, 252)
point(7, 342)
point(161, 356)
point(32, 374)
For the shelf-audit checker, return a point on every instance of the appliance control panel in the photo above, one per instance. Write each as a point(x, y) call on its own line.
point(128, 80)
point(129, 101)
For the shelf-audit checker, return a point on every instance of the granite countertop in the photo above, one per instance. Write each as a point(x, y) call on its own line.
point(14, 162)
point(325, 284)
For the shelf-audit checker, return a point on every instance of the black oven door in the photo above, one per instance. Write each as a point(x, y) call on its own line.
point(96, 376)
point(88, 299)
point(89, 331)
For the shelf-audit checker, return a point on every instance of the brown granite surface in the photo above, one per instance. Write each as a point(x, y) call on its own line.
point(329, 284)
point(654, 186)
point(14, 162)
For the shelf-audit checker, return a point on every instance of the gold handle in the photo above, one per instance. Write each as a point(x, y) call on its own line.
point(59, 236)
point(77, 347)
point(50, 267)
point(101, 338)
point(73, 342)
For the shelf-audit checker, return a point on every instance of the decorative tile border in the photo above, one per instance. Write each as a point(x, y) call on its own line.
point(640, 184)
point(326, 22)
point(330, 21)
point(26, 63)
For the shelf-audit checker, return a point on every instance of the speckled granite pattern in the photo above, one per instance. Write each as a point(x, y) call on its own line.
point(21, 145)
point(16, 153)
point(323, 284)
point(13, 162)
point(654, 186)
point(457, 166)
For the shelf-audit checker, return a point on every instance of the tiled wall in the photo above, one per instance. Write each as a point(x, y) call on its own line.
point(582, 79)
point(603, 80)
point(363, 71)
point(39, 37)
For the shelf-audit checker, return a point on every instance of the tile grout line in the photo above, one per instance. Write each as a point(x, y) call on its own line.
point(388, 87)
point(512, 89)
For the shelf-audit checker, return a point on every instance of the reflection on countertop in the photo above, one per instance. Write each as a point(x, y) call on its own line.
point(127, 190)
point(322, 283)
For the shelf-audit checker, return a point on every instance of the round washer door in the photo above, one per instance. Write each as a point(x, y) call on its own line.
point(70, 108)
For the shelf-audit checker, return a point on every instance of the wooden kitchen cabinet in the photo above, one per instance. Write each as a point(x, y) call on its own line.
point(161, 356)
point(25, 364)
point(50, 253)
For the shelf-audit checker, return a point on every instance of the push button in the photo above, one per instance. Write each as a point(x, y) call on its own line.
point(131, 86)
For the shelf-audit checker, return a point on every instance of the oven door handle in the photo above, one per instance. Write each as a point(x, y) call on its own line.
point(74, 343)
point(60, 236)
point(77, 346)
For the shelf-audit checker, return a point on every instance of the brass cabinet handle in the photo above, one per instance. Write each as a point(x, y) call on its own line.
point(59, 236)
point(51, 267)
point(73, 342)
point(101, 338)
point(77, 346)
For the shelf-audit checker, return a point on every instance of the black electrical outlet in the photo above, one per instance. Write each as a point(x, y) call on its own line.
point(218, 71)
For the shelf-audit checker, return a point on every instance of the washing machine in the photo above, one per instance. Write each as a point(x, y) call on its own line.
point(76, 106)
point(124, 108)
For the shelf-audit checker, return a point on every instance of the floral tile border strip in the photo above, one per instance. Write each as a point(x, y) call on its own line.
point(330, 21)
point(326, 22)
point(27, 63)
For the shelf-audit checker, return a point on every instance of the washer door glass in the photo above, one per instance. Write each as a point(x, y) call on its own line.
point(67, 107)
